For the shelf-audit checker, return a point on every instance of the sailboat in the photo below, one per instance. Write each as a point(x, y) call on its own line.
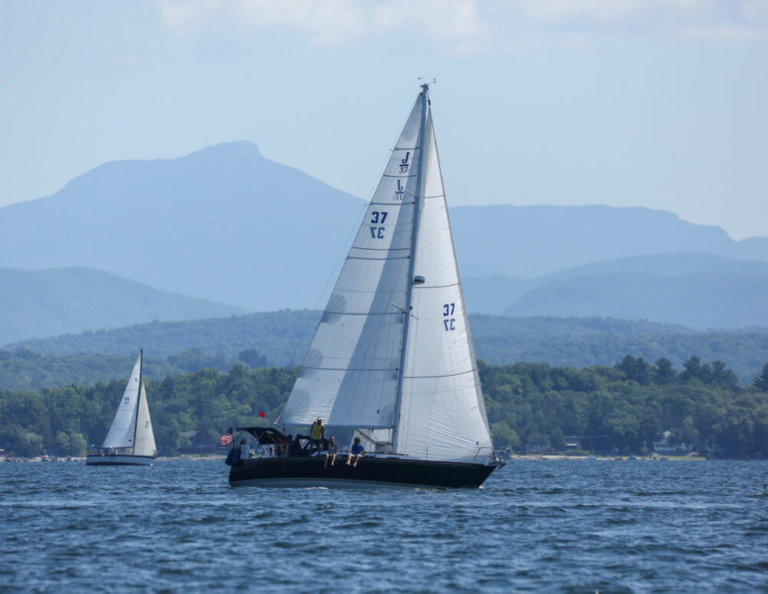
point(392, 360)
point(130, 440)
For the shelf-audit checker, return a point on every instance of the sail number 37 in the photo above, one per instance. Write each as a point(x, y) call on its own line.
point(448, 320)
point(377, 218)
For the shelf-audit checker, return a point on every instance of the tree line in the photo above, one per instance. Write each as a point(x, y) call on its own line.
point(621, 408)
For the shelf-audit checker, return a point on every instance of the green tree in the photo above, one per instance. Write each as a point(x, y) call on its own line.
point(761, 381)
point(663, 372)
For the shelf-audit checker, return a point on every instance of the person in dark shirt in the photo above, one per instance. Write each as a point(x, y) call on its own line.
point(332, 450)
point(357, 452)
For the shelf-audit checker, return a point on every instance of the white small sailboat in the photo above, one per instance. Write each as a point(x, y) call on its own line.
point(130, 440)
point(392, 358)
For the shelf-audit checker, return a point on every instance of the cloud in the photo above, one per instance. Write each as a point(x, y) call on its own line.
point(469, 25)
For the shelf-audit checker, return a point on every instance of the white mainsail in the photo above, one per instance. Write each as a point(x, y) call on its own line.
point(351, 376)
point(121, 433)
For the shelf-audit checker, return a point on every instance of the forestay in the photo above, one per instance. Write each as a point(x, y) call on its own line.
point(123, 428)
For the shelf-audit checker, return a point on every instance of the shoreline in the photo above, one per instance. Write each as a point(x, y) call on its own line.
point(652, 458)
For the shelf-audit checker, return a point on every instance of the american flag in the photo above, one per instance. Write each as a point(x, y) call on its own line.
point(225, 440)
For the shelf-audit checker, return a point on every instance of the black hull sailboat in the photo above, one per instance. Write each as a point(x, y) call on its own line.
point(307, 467)
point(370, 471)
point(392, 363)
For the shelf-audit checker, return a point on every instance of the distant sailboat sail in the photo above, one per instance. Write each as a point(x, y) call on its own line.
point(393, 348)
point(144, 443)
point(130, 439)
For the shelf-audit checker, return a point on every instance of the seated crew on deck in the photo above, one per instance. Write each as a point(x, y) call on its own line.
point(331, 451)
point(357, 452)
point(317, 434)
point(280, 448)
point(294, 446)
point(245, 451)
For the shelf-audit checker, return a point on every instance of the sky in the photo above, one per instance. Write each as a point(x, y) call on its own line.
point(656, 103)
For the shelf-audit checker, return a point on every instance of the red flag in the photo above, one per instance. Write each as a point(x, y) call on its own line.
point(261, 414)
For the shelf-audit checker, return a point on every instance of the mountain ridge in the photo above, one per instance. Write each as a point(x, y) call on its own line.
point(284, 336)
point(228, 225)
point(44, 303)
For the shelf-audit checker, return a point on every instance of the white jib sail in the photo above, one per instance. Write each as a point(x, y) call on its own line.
point(442, 410)
point(145, 437)
point(349, 376)
point(121, 433)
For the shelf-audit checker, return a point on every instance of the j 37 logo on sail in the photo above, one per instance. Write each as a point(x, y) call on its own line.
point(400, 192)
point(404, 163)
point(378, 218)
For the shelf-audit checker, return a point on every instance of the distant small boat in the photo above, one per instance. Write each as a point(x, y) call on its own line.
point(130, 440)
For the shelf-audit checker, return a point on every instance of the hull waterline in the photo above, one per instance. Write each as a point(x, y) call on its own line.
point(369, 472)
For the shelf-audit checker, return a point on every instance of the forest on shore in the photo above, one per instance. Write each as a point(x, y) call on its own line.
point(612, 409)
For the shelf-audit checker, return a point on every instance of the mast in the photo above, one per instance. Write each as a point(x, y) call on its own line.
point(138, 400)
point(411, 265)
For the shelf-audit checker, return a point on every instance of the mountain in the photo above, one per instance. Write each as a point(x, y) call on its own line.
point(283, 337)
point(229, 225)
point(50, 302)
point(532, 241)
point(697, 290)
point(223, 224)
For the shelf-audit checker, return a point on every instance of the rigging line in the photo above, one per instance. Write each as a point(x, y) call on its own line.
point(365, 313)
point(347, 368)
point(422, 287)
point(381, 249)
point(391, 203)
point(335, 271)
point(378, 259)
point(439, 376)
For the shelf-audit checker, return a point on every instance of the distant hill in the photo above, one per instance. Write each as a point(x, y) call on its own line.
point(532, 241)
point(223, 223)
point(283, 337)
point(697, 290)
point(226, 224)
point(45, 303)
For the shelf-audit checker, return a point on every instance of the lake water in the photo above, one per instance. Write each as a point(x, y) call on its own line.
point(571, 525)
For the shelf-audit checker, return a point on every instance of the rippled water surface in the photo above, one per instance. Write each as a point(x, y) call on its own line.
point(571, 525)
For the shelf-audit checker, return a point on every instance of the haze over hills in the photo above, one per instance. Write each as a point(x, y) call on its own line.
point(228, 225)
point(531, 241)
point(283, 337)
point(696, 290)
point(41, 303)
